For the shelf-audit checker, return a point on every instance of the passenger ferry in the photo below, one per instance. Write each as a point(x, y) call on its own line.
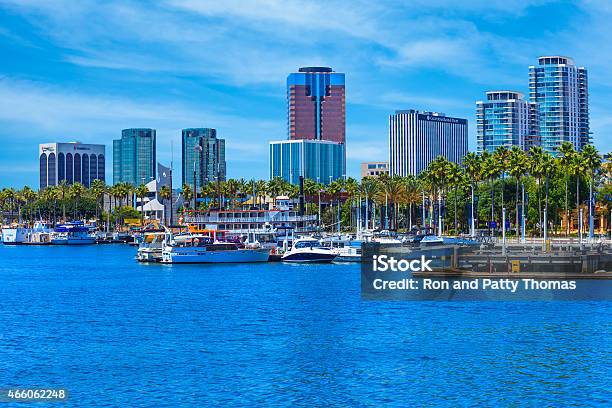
point(205, 248)
point(73, 233)
point(282, 217)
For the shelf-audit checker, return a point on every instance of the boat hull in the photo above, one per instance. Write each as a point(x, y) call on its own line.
point(14, 236)
point(212, 257)
point(309, 257)
point(73, 241)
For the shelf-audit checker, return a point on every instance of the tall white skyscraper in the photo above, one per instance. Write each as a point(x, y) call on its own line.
point(417, 138)
point(560, 89)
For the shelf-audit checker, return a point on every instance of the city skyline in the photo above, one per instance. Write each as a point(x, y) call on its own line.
point(64, 81)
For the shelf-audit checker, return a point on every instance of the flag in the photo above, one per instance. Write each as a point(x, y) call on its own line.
point(163, 175)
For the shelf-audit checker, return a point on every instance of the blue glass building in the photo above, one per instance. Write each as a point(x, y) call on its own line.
point(560, 89)
point(318, 160)
point(203, 153)
point(134, 156)
point(506, 119)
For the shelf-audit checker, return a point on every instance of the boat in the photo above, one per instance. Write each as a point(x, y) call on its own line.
point(204, 248)
point(74, 233)
point(346, 249)
point(18, 234)
point(308, 250)
point(38, 238)
point(431, 240)
point(151, 247)
point(387, 238)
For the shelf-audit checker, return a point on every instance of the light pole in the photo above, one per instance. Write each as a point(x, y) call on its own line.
point(319, 202)
point(197, 149)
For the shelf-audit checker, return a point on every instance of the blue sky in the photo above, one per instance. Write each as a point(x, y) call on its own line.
point(83, 70)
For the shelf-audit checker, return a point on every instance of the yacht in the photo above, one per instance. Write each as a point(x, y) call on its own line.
point(74, 233)
point(21, 235)
point(308, 250)
point(204, 249)
point(346, 249)
point(151, 247)
point(431, 240)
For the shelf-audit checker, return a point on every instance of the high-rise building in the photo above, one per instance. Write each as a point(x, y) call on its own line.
point(134, 156)
point(560, 89)
point(318, 160)
point(203, 153)
point(506, 119)
point(316, 119)
point(417, 138)
point(316, 105)
point(73, 161)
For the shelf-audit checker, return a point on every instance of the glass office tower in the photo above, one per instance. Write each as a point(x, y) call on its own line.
point(203, 150)
point(318, 160)
point(560, 89)
point(316, 105)
point(134, 156)
point(506, 119)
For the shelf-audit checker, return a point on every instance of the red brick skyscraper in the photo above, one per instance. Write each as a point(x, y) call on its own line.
point(316, 105)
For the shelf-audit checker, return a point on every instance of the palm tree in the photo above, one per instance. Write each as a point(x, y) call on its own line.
point(490, 170)
point(232, 187)
point(141, 192)
point(166, 194)
point(517, 167)
point(310, 190)
point(501, 156)
point(472, 164)
point(566, 158)
point(369, 187)
point(592, 163)
point(28, 196)
point(75, 193)
point(98, 189)
point(537, 170)
point(187, 194)
point(62, 192)
point(261, 188)
point(411, 196)
point(455, 179)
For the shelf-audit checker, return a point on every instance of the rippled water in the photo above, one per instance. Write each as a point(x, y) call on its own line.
point(118, 333)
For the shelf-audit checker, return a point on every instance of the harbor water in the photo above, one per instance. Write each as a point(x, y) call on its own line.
point(114, 332)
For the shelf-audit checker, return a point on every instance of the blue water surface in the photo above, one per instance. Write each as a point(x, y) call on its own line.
point(118, 333)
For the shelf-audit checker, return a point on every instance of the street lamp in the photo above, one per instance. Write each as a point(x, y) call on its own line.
point(197, 149)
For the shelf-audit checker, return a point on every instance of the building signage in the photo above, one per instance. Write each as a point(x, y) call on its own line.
point(443, 119)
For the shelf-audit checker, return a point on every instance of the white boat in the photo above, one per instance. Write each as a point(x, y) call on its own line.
point(432, 240)
point(308, 250)
point(150, 249)
point(202, 249)
point(346, 249)
point(24, 235)
point(14, 235)
point(75, 233)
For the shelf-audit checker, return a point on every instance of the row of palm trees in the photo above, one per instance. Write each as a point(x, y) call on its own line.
point(437, 198)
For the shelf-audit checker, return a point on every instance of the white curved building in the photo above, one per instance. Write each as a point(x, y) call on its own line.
point(74, 162)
